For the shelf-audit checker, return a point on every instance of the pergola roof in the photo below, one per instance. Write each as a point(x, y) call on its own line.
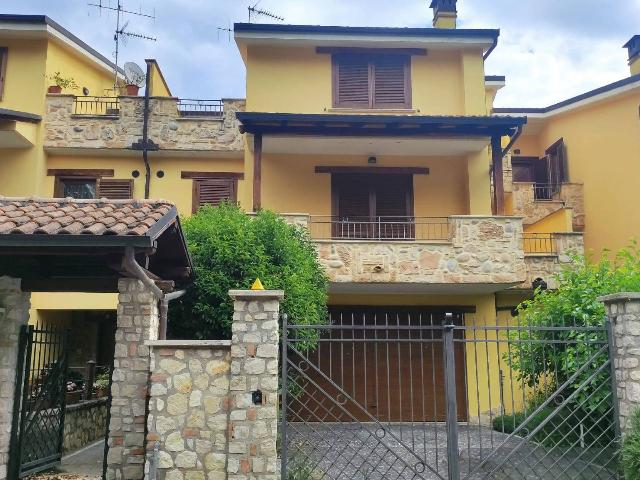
point(57, 244)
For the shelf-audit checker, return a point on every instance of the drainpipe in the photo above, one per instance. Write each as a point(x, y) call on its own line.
point(164, 310)
point(131, 266)
point(145, 133)
point(513, 140)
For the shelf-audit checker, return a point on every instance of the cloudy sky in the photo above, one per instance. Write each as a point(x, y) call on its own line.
point(549, 49)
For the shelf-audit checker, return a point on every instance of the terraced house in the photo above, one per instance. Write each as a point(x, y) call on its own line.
point(383, 142)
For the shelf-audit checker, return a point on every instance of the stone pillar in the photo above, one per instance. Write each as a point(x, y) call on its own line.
point(14, 312)
point(137, 323)
point(623, 311)
point(254, 373)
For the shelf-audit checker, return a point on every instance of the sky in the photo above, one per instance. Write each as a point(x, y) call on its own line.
point(549, 50)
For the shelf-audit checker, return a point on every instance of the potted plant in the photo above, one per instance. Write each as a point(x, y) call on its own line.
point(60, 82)
point(101, 385)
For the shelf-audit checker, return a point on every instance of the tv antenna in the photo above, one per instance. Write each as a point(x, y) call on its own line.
point(121, 34)
point(258, 12)
point(229, 31)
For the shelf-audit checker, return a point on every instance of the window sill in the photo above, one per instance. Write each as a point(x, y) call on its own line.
point(365, 111)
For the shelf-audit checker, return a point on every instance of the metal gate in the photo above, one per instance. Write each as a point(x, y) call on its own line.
point(410, 396)
point(39, 406)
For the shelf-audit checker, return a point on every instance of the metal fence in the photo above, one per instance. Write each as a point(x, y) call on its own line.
point(189, 107)
point(545, 191)
point(96, 106)
point(379, 228)
point(428, 395)
point(543, 243)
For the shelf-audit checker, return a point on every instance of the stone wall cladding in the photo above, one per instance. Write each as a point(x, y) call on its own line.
point(481, 250)
point(137, 323)
point(188, 412)
point(84, 423)
point(167, 128)
point(14, 312)
point(623, 311)
point(548, 266)
point(571, 196)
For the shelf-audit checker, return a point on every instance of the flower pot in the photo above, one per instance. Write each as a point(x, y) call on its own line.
point(55, 89)
point(132, 90)
point(102, 392)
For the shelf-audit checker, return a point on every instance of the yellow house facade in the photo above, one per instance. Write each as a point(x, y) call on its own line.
point(382, 142)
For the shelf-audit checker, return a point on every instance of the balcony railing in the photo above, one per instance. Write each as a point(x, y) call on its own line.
point(379, 228)
point(188, 107)
point(545, 191)
point(96, 106)
point(541, 243)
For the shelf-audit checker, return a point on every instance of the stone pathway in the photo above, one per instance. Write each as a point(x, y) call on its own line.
point(86, 461)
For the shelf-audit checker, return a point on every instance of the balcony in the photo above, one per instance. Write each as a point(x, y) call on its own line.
point(546, 254)
point(535, 201)
point(460, 253)
point(91, 123)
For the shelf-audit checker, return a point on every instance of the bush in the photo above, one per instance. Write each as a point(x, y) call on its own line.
point(230, 250)
point(630, 455)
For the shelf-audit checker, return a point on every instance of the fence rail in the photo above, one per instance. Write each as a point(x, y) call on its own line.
point(379, 228)
point(545, 191)
point(189, 107)
point(542, 243)
point(96, 106)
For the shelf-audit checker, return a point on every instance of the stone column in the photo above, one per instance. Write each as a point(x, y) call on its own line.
point(623, 311)
point(14, 312)
point(254, 373)
point(137, 323)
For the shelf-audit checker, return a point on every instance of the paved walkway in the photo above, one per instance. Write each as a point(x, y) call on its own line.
point(86, 462)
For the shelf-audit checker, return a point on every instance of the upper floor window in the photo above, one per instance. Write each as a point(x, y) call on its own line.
point(371, 81)
point(86, 188)
point(3, 69)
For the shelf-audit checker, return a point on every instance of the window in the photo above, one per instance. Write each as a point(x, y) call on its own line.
point(3, 69)
point(371, 81)
point(213, 191)
point(85, 188)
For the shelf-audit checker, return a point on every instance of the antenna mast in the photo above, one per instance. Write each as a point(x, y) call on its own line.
point(264, 13)
point(120, 32)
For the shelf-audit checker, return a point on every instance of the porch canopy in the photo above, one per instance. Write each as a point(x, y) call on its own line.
point(67, 245)
point(18, 129)
point(377, 134)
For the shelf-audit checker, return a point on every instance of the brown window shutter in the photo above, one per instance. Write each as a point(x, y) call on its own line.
point(213, 191)
point(115, 189)
point(390, 83)
point(351, 82)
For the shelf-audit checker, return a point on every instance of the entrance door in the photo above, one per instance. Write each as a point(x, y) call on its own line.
point(389, 362)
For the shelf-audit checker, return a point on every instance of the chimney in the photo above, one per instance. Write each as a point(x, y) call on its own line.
point(633, 46)
point(444, 13)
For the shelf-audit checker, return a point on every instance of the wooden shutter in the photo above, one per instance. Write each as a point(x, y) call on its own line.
point(557, 163)
point(115, 189)
point(3, 69)
point(351, 82)
point(391, 85)
point(213, 191)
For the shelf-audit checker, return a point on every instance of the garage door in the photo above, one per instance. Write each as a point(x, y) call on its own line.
point(385, 363)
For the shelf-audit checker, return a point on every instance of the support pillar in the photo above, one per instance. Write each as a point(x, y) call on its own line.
point(253, 415)
point(257, 172)
point(14, 313)
point(136, 324)
point(623, 311)
point(498, 177)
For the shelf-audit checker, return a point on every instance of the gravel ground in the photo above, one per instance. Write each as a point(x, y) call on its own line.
point(343, 451)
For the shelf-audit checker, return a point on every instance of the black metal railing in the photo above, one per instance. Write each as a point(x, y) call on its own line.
point(96, 106)
point(189, 107)
point(543, 243)
point(379, 228)
point(545, 191)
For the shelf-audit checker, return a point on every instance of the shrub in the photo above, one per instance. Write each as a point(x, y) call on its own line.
point(230, 250)
point(630, 455)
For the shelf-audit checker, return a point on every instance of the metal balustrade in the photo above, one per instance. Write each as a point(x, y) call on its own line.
point(542, 243)
point(379, 228)
point(96, 106)
point(189, 107)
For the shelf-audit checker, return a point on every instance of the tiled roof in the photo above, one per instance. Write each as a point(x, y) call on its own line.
point(66, 216)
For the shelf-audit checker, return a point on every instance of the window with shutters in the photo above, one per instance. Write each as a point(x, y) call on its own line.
point(213, 191)
point(373, 206)
point(365, 81)
point(93, 187)
point(115, 189)
point(3, 69)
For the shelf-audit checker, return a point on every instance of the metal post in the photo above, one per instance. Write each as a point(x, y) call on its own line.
point(21, 366)
point(614, 384)
point(283, 399)
point(451, 401)
point(90, 378)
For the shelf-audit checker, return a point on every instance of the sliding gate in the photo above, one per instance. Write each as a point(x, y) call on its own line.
point(39, 404)
point(409, 395)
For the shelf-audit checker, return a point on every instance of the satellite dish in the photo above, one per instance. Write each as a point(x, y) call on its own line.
point(133, 74)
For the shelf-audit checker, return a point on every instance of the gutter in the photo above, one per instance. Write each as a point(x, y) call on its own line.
point(513, 140)
point(132, 267)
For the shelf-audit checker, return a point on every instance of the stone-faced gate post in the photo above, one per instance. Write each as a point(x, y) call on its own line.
point(137, 323)
point(14, 312)
point(253, 415)
point(623, 311)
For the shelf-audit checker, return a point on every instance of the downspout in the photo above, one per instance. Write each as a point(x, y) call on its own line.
point(164, 310)
point(131, 266)
point(491, 49)
point(513, 140)
point(145, 133)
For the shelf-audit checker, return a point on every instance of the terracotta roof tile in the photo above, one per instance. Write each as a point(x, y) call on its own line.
point(65, 216)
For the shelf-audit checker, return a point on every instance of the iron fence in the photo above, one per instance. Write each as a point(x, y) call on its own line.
point(96, 106)
point(544, 191)
point(429, 395)
point(542, 243)
point(379, 228)
point(188, 107)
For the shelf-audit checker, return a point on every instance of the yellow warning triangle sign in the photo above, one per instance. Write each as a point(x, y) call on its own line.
point(257, 285)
